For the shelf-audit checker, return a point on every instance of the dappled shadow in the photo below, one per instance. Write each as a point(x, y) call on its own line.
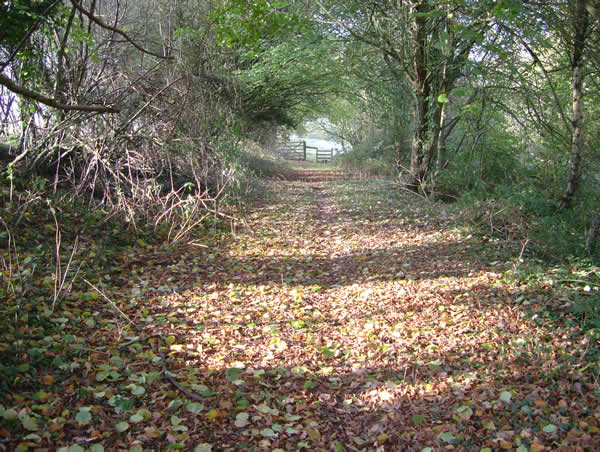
point(425, 262)
point(328, 326)
point(314, 174)
point(404, 396)
point(399, 408)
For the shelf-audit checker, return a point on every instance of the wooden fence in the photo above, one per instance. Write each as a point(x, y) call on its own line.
point(293, 150)
point(324, 155)
point(296, 150)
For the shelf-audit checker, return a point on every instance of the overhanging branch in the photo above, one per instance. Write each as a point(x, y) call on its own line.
point(18, 89)
point(118, 31)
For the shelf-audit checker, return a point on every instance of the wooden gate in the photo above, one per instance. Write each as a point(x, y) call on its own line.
point(296, 150)
point(293, 150)
point(324, 155)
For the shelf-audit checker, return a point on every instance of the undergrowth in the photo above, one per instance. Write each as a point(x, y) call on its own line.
point(547, 245)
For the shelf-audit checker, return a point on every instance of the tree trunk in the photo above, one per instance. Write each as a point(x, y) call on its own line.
point(424, 142)
point(581, 23)
point(424, 148)
point(590, 240)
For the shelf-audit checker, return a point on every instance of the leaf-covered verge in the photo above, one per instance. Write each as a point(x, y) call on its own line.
point(340, 315)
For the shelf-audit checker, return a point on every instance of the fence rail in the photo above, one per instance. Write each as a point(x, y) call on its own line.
point(296, 150)
point(293, 150)
point(324, 155)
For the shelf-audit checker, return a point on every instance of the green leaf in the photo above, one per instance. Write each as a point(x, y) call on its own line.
point(175, 404)
point(145, 413)
point(443, 99)
point(327, 352)
point(175, 420)
point(550, 428)
point(30, 423)
point(435, 364)
point(136, 418)
point(194, 407)
point(464, 412)
point(96, 448)
point(122, 426)
point(309, 384)
point(76, 448)
point(418, 419)
point(505, 396)
point(10, 414)
point(136, 389)
point(84, 415)
point(267, 433)
point(33, 437)
point(241, 420)
point(448, 437)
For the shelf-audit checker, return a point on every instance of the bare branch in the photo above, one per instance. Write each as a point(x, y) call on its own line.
point(118, 31)
point(18, 89)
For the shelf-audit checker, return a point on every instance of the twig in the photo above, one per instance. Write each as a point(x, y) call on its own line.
point(523, 249)
point(60, 278)
point(109, 300)
point(118, 31)
point(420, 195)
point(172, 380)
point(18, 89)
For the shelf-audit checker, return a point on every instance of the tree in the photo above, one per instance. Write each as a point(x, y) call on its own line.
point(427, 43)
point(23, 18)
point(580, 28)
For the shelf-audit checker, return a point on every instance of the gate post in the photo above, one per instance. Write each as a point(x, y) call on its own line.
point(304, 149)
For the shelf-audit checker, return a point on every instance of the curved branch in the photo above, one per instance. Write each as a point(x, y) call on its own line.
point(18, 89)
point(99, 22)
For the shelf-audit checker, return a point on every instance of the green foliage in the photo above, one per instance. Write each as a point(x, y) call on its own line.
point(289, 80)
point(370, 159)
point(527, 212)
point(243, 23)
point(18, 17)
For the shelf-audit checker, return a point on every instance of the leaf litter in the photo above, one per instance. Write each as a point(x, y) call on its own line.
point(344, 315)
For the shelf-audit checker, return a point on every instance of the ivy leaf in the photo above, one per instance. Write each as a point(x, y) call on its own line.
point(136, 418)
point(505, 396)
point(10, 414)
point(84, 415)
point(241, 420)
point(194, 407)
point(30, 423)
point(464, 412)
point(448, 437)
point(267, 433)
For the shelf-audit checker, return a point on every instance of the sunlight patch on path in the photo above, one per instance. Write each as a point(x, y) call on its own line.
point(359, 315)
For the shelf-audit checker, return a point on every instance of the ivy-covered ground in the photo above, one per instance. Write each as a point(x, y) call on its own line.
point(340, 315)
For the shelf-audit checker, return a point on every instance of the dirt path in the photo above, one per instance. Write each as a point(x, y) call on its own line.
point(353, 317)
point(344, 316)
